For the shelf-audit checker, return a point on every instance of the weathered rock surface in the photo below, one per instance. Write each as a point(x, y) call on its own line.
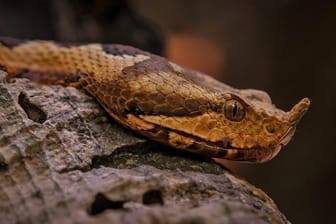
point(63, 160)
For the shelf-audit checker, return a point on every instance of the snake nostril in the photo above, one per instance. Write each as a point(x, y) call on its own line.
point(269, 127)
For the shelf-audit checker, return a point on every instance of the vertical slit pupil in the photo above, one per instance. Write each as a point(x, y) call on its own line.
point(234, 109)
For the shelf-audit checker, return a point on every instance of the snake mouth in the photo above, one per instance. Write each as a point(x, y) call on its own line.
point(260, 155)
point(255, 155)
point(287, 136)
point(252, 155)
point(227, 151)
point(220, 149)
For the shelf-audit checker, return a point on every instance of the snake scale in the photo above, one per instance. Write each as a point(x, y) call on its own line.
point(159, 99)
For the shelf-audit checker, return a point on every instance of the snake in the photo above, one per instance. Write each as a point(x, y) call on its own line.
point(159, 99)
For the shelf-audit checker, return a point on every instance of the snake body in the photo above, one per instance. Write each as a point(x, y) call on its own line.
point(159, 99)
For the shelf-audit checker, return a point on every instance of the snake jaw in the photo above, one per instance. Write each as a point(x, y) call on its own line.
point(276, 149)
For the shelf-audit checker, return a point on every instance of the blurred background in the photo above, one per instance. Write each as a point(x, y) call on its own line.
point(285, 47)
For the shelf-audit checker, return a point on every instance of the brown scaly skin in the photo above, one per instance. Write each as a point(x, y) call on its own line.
point(159, 99)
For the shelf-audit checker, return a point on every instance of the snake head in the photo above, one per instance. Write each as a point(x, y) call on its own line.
point(241, 125)
point(210, 118)
point(255, 130)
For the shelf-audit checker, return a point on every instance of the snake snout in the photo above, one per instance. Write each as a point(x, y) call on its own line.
point(298, 110)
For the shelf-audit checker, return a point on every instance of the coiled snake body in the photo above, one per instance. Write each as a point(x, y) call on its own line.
point(160, 99)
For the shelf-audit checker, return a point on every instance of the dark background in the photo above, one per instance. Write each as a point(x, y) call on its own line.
point(287, 48)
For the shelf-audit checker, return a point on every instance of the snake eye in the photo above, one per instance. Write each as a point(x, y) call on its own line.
point(234, 110)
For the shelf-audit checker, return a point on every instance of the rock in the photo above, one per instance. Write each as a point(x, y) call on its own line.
point(63, 160)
